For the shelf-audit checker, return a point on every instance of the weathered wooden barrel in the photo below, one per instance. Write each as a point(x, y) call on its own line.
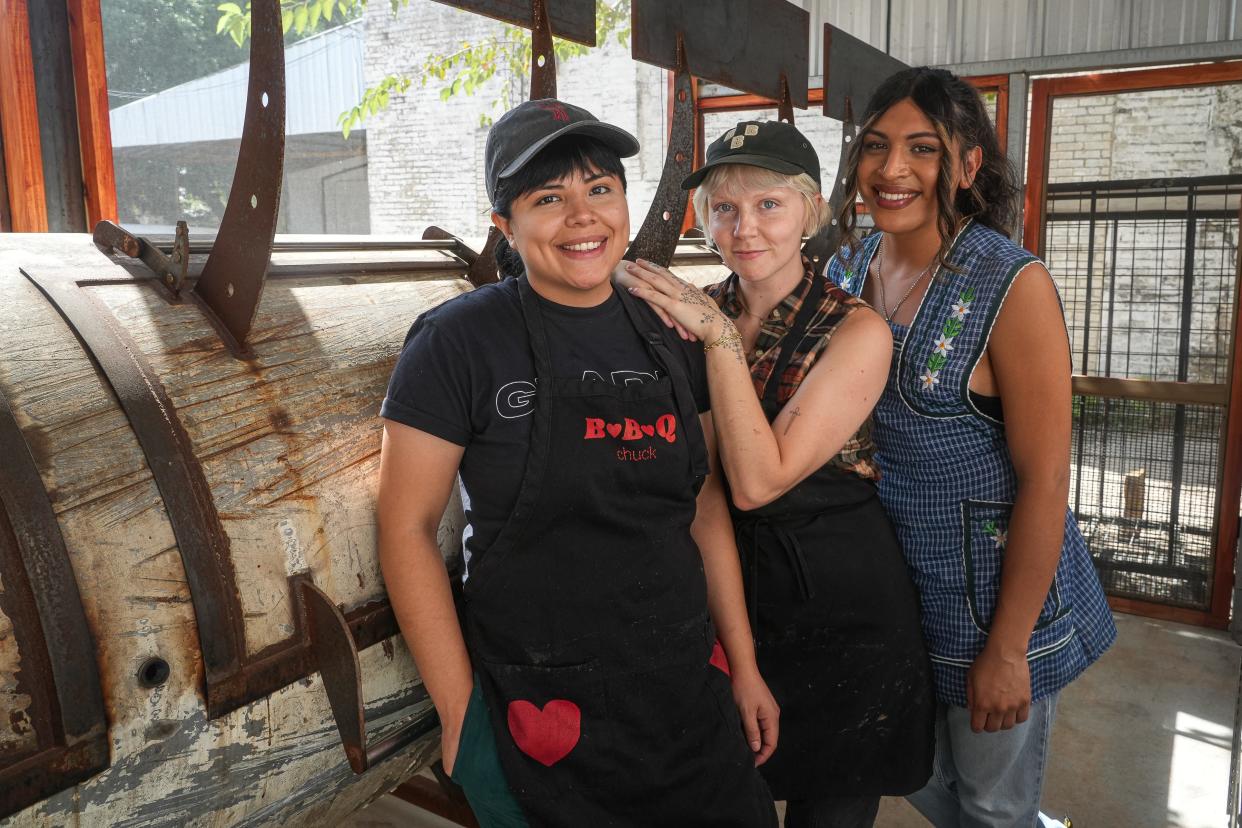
point(166, 504)
point(187, 540)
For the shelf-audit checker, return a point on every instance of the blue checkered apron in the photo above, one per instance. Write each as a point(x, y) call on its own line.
point(948, 483)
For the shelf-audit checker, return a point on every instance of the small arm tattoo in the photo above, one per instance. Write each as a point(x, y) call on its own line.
point(797, 412)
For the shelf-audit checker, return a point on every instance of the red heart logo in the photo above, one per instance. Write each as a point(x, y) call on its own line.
point(719, 660)
point(613, 428)
point(546, 735)
point(648, 430)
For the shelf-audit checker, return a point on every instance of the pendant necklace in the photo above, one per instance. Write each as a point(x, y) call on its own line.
point(879, 272)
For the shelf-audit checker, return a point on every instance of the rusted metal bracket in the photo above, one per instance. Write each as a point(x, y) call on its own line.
point(820, 247)
point(233, 676)
point(232, 280)
point(751, 45)
point(171, 270)
point(747, 45)
point(784, 105)
point(335, 654)
point(58, 669)
point(853, 70)
point(480, 267)
point(656, 240)
point(569, 19)
point(542, 54)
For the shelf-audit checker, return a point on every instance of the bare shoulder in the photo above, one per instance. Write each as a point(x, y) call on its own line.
point(1031, 306)
point(864, 329)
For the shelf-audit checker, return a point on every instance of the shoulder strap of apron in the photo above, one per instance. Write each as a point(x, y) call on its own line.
point(789, 342)
point(683, 395)
point(537, 451)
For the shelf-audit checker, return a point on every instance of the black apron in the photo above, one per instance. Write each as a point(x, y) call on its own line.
point(587, 618)
point(836, 623)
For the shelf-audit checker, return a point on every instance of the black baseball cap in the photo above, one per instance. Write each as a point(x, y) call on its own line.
point(526, 129)
point(772, 145)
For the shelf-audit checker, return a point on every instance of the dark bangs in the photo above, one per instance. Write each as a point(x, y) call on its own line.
point(559, 159)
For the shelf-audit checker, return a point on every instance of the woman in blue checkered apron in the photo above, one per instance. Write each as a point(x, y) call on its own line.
point(795, 366)
point(973, 432)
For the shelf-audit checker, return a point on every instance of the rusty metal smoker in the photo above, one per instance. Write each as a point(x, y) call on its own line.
point(189, 588)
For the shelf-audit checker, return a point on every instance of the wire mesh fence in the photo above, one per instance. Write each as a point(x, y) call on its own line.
point(1148, 271)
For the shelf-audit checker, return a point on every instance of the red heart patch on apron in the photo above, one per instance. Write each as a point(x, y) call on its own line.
point(719, 660)
point(546, 735)
point(614, 429)
point(648, 430)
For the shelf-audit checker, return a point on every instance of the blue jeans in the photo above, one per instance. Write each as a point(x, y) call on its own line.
point(988, 780)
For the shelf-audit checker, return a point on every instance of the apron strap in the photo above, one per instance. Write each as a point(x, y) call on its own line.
point(789, 342)
point(687, 410)
point(539, 447)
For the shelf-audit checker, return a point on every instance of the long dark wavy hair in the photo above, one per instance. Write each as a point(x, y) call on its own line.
point(563, 157)
point(961, 120)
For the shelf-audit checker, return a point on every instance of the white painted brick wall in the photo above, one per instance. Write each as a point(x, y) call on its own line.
point(425, 156)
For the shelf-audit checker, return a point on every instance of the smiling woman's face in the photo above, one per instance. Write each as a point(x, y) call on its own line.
point(899, 168)
point(570, 233)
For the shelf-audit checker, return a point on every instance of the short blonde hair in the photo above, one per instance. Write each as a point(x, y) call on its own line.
point(742, 177)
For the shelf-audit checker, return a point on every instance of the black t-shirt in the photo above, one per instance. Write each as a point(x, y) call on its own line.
point(466, 375)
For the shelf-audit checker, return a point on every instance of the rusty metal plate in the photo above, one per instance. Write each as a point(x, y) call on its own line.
point(853, 70)
point(748, 45)
point(335, 654)
point(571, 19)
point(656, 240)
point(232, 280)
point(58, 670)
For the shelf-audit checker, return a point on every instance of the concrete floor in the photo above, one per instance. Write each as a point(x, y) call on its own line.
point(1141, 740)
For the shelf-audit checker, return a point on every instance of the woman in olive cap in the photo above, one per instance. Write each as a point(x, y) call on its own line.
point(795, 365)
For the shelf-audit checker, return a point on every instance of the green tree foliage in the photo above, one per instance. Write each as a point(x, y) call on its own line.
point(152, 45)
point(140, 35)
point(463, 71)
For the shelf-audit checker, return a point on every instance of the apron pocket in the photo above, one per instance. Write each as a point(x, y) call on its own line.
point(553, 721)
point(985, 533)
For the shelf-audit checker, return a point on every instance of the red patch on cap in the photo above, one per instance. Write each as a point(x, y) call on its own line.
point(546, 735)
point(558, 111)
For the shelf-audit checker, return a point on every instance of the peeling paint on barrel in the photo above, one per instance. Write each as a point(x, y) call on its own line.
point(290, 440)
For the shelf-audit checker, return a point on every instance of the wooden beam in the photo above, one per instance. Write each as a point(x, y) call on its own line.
point(58, 120)
point(19, 121)
point(1037, 168)
point(1186, 393)
point(1150, 609)
point(94, 126)
point(1167, 77)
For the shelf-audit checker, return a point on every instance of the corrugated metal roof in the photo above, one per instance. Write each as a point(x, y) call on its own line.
point(938, 32)
point(323, 78)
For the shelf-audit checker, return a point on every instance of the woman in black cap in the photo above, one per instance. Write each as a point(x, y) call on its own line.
point(795, 366)
point(585, 685)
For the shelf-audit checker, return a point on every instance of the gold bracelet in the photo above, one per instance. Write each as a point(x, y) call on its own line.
point(727, 339)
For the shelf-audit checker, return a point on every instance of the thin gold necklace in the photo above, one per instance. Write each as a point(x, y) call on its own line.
point(879, 274)
point(742, 301)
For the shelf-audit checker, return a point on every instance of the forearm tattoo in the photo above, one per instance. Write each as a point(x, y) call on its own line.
point(793, 415)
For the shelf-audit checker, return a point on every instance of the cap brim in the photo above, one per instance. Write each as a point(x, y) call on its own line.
point(611, 136)
point(695, 178)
